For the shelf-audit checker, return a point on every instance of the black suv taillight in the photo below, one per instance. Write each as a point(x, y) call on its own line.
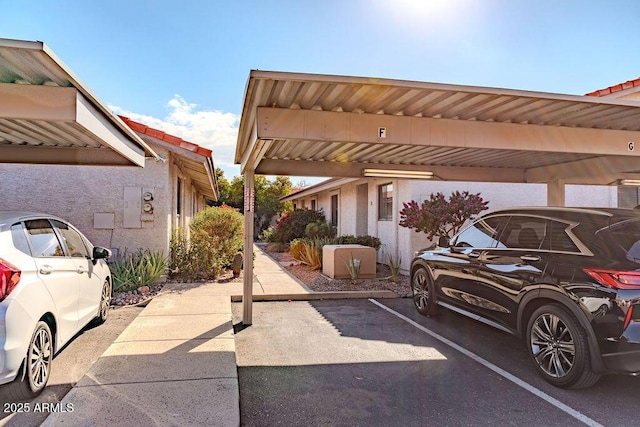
point(615, 279)
point(9, 278)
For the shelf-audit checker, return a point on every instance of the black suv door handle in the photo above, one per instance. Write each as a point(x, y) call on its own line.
point(530, 258)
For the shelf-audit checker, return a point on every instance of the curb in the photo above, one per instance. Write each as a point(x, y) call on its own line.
point(319, 296)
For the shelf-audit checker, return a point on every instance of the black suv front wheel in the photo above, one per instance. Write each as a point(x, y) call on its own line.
point(558, 348)
point(423, 292)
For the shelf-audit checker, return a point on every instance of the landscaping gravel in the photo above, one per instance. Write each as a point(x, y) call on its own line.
point(313, 279)
point(318, 282)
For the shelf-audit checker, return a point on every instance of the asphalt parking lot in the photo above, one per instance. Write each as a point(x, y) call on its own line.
point(366, 362)
point(67, 368)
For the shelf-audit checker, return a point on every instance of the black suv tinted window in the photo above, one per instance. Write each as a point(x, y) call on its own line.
point(534, 233)
point(524, 233)
point(480, 234)
point(557, 238)
point(627, 234)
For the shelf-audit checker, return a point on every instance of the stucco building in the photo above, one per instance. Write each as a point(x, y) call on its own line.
point(120, 207)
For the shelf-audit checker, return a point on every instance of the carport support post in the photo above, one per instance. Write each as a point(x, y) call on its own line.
point(247, 289)
point(555, 192)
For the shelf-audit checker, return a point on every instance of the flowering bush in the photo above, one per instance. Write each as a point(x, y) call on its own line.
point(439, 216)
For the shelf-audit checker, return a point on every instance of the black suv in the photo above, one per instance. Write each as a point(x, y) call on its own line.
point(567, 280)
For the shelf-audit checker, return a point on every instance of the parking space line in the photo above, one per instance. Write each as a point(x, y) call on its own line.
point(575, 414)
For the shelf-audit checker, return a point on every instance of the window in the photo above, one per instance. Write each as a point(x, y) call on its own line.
point(72, 240)
point(20, 239)
point(537, 233)
point(385, 202)
point(43, 239)
point(480, 234)
point(334, 210)
point(179, 197)
point(313, 204)
point(524, 233)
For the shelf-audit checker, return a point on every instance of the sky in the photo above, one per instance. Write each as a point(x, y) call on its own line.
point(182, 66)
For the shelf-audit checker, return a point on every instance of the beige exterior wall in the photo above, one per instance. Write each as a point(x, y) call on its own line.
point(401, 243)
point(93, 198)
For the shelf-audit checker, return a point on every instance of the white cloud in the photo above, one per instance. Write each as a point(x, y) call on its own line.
point(215, 130)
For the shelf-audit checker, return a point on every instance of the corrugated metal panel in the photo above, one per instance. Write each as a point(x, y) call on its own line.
point(412, 155)
point(32, 63)
point(43, 133)
point(402, 98)
point(452, 102)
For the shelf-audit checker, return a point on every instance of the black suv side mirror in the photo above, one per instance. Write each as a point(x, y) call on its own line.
point(101, 253)
point(443, 242)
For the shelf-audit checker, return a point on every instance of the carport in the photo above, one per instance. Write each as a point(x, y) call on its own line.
point(48, 116)
point(339, 126)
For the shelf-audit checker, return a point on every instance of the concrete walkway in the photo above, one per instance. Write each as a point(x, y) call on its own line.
point(175, 364)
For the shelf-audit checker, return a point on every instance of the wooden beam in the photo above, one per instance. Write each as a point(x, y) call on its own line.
point(35, 102)
point(354, 170)
point(604, 166)
point(61, 155)
point(274, 123)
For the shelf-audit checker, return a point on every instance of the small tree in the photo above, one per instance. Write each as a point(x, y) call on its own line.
point(439, 216)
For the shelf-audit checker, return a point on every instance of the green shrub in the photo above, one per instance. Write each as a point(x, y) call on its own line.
point(293, 224)
point(192, 260)
point(370, 241)
point(222, 228)
point(130, 271)
point(348, 239)
point(319, 229)
point(215, 238)
point(268, 234)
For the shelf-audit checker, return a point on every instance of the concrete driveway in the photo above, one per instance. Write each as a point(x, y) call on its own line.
point(364, 362)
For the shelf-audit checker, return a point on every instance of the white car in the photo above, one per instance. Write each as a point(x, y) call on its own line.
point(53, 282)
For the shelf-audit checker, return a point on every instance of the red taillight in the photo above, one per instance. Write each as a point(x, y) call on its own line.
point(615, 279)
point(9, 278)
point(627, 318)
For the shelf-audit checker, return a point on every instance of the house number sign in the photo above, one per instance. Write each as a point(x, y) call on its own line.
point(249, 197)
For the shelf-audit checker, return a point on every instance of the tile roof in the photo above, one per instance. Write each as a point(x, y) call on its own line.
point(615, 88)
point(171, 139)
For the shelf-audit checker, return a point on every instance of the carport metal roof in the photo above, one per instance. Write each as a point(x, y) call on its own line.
point(337, 126)
point(323, 125)
point(48, 116)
